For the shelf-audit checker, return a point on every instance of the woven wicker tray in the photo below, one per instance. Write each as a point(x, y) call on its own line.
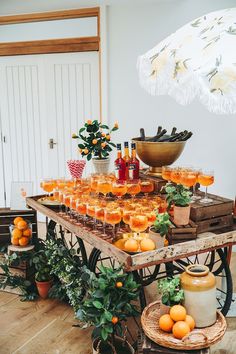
point(197, 339)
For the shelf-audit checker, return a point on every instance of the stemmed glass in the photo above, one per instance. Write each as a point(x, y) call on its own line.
point(104, 185)
point(166, 173)
point(81, 208)
point(47, 185)
point(146, 186)
point(175, 175)
point(138, 222)
point(195, 196)
point(133, 187)
point(206, 178)
point(112, 216)
point(119, 188)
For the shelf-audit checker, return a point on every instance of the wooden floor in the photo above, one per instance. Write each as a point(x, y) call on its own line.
point(46, 327)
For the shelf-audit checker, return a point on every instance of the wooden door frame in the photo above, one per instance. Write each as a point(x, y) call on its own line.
point(64, 45)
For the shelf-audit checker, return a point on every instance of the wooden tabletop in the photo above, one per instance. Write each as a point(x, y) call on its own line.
point(206, 242)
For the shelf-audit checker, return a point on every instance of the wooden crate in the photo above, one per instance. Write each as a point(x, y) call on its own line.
point(6, 218)
point(213, 216)
point(23, 269)
point(146, 346)
point(177, 234)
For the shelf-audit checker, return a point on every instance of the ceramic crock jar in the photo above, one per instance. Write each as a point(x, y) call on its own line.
point(199, 287)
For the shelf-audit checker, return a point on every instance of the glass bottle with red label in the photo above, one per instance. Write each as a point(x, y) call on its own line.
point(126, 157)
point(120, 165)
point(133, 164)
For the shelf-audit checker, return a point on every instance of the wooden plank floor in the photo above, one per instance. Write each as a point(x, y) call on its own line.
point(46, 327)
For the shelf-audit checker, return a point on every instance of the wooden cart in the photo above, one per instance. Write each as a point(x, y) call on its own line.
point(210, 249)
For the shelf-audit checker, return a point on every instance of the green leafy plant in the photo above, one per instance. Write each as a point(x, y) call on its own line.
point(177, 194)
point(108, 302)
point(43, 269)
point(161, 223)
point(170, 290)
point(95, 139)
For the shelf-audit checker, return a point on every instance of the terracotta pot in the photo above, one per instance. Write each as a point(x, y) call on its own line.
point(43, 288)
point(128, 349)
point(199, 287)
point(157, 238)
point(181, 215)
point(164, 309)
point(101, 165)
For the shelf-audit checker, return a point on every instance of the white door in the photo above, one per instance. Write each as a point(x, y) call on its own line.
point(44, 97)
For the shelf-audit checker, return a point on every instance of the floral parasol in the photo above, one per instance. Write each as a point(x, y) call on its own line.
point(198, 60)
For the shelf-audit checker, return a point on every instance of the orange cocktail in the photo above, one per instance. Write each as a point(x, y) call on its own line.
point(133, 187)
point(112, 216)
point(188, 178)
point(104, 185)
point(147, 186)
point(119, 188)
point(47, 185)
point(175, 175)
point(206, 178)
point(166, 173)
point(138, 222)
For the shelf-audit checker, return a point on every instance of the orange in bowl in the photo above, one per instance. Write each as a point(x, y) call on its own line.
point(23, 241)
point(178, 313)
point(180, 329)
point(17, 219)
point(22, 225)
point(27, 233)
point(190, 321)
point(16, 233)
point(166, 323)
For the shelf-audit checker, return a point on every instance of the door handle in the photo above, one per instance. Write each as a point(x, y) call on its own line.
point(51, 143)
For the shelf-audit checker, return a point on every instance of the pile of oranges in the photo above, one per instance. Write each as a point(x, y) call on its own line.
point(133, 245)
point(21, 232)
point(177, 322)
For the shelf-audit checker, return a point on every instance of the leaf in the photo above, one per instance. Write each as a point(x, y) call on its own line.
point(103, 126)
point(108, 316)
point(97, 304)
point(81, 130)
point(104, 334)
point(89, 156)
point(81, 146)
point(112, 144)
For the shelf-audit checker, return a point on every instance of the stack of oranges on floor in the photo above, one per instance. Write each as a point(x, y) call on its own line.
point(21, 232)
point(177, 322)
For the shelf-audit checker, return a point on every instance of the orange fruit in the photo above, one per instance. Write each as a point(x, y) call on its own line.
point(131, 245)
point(178, 313)
point(120, 243)
point(17, 219)
point(23, 241)
point(180, 329)
point(147, 245)
point(108, 137)
point(16, 233)
point(15, 241)
point(85, 151)
point(22, 225)
point(166, 323)
point(27, 232)
point(94, 141)
point(190, 321)
point(166, 242)
point(103, 145)
point(89, 122)
point(119, 284)
point(114, 320)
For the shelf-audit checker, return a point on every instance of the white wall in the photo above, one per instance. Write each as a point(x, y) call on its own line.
point(131, 32)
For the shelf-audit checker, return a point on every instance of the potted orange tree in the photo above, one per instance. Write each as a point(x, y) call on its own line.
point(107, 305)
point(43, 278)
point(160, 229)
point(180, 197)
point(95, 143)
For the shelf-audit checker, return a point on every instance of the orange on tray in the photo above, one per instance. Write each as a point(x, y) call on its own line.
point(178, 313)
point(147, 245)
point(131, 245)
point(166, 323)
point(180, 329)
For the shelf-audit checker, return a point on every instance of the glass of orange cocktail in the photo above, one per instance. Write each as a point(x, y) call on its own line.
point(146, 186)
point(112, 216)
point(206, 178)
point(166, 173)
point(104, 185)
point(138, 222)
point(133, 187)
point(47, 185)
point(119, 188)
point(175, 175)
point(81, 208)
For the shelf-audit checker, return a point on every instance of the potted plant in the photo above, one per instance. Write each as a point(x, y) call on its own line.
point(160, 229)
point(171, 293)
point(107, 305)
point(43, 278)
point(95, 143)
point(180, 197)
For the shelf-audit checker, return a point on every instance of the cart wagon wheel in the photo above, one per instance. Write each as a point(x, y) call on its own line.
point(72, 241)
point(217, 263)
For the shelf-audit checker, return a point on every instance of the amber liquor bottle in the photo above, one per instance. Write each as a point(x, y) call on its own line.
point(120, 166)
point(126, 157)
point(133, 164)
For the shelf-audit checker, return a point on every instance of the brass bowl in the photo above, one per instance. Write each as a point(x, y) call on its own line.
point(158, 154)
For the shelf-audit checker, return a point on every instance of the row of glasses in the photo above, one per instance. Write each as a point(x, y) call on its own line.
point(189, 177)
